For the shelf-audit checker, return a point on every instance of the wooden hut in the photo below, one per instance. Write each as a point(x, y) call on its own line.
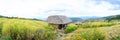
point(58, 21)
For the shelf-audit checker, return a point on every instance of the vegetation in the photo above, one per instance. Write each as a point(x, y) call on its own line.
point(20, 18)
point(73, 27)
point(16, 29)
point(118, 38)
point(70, 28)
point(89, 34)
point(97, 24)
point(22, 29)
point(114, 17)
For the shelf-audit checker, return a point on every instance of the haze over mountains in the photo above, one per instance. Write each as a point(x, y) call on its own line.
point(74, 18)
point(109, 18)
point(77, 18)
point(44, 19)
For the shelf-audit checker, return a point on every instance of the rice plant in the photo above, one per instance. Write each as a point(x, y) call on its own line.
point(89, 34)
point(18, 29)
point(97, 24)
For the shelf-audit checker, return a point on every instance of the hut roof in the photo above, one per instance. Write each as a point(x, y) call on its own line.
point(58, 19)
point(78, 22)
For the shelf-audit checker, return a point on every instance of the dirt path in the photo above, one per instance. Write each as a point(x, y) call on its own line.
point(61, 34)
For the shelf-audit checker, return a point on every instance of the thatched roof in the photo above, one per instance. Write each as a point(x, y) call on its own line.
point(58, 19)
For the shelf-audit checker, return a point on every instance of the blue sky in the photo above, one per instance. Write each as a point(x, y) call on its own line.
point(70, 8)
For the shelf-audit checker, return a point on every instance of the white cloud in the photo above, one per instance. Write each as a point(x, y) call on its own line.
point(44, 8)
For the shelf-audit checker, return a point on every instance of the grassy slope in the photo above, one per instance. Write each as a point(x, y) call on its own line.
point(26, 29)
point(112, 32)
point(31, 25)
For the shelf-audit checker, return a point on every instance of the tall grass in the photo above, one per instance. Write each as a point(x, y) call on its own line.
point(1, 25)
point(73, 27)
point(17, 29)
point(118, 38)
point(97, 24)
point(89, 34)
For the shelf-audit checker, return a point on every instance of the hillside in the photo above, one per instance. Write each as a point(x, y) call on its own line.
point(113, 17)
point(85, 18)
point(22, 29)
point(20, 18)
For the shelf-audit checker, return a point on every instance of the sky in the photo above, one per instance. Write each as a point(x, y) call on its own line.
point(70, 8)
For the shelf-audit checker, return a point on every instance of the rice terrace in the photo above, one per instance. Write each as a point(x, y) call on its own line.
point(59, 19)
point(58, 27)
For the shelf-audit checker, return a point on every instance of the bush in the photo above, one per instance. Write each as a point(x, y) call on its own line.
point(70, 28)
point(90, 34)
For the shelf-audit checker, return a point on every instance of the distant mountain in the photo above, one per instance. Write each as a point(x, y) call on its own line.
point(43, 19)
point(84, 18)
point(75, 19)
point(19, 18)
point(3, 16)
point(89, 17)
point(72, 18)
point(113, 17)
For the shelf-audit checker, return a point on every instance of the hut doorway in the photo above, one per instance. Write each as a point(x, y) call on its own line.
point(62, 26)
